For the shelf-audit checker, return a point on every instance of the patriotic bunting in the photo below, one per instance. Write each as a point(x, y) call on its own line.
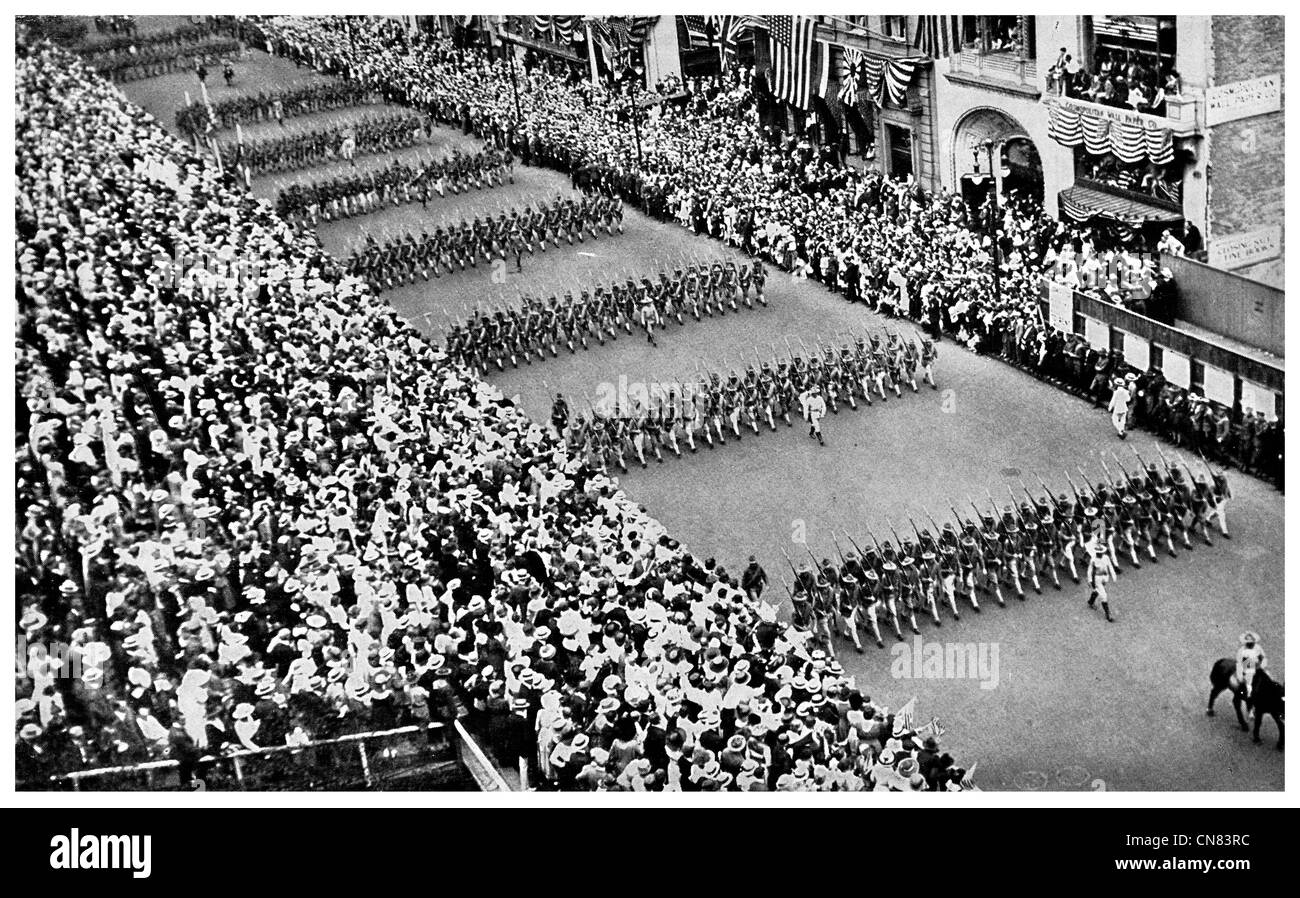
point(558, 29)
point(898, 74)
point(1127, 141)
point(882, 78)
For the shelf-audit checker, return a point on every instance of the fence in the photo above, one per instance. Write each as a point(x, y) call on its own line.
point(1238, 380)
point(436, 756)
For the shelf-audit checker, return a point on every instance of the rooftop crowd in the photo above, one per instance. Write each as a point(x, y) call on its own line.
point(256, 508)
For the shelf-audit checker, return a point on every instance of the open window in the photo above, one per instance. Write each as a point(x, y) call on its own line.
point(1013, 35)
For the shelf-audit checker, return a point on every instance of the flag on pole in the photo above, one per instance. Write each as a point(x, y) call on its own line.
point(616, 36)
point(906, 714)
point(938, 37)
point(791, 39)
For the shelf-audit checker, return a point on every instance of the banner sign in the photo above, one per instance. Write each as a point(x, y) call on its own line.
point(1243, 99)
point(1060, 307)
point(1240, 250)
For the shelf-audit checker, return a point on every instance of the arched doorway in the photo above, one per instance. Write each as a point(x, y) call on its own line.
point(988, 137)
point(1023, 170)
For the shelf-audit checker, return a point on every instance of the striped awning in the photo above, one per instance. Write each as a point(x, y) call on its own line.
point(1145, 29)
point(1082, 203)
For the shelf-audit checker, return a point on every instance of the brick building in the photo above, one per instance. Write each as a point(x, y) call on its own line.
point(1245, 145)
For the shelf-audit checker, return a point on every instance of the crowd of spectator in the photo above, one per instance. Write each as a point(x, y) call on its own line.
point(1132, 79)
point(256, 508)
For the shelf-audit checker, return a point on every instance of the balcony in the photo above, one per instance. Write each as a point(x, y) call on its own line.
point(519, 30)
point(1005, 72)
point(1183, 113)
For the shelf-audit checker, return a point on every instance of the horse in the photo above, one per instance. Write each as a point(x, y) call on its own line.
point(1268, 697)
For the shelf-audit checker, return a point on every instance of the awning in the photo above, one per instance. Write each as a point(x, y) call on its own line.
point(1081, 203)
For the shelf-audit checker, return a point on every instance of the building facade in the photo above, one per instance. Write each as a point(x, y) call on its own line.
point(1136, 123)
point(1205, 159)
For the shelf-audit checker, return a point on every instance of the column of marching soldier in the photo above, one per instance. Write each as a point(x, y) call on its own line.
point(131, 56)
point(392, 260)
point(715, 408)
point(274, 105)
point(303, 148)
point(1137, 515)
point(400, 259)
point(537, 326)
point(394, 183)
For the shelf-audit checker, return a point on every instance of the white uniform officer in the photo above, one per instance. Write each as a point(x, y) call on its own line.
point(816, 411)
point(1118, 408)
point(1100, 572)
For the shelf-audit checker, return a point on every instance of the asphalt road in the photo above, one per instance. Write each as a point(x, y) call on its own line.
point(1072, 703)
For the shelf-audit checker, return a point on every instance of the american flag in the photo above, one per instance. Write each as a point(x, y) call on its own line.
point(938, 37)
point(791, 40)
point(699, 30)
point(617, 35)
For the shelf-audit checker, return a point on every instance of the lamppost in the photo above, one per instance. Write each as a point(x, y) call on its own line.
point(996, 215)
point(514, 83)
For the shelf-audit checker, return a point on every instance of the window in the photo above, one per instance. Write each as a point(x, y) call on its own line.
point(1080, 326)
point(999, 34)
point(1136, 49)
point(1197, 376)
point(1002, 33)
point(894, 26)
point(1117, 342)
point(1157, 359)
point(900, 150)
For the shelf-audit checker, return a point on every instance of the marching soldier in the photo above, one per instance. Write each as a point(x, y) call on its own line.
point(969, 564)
point(929, 355)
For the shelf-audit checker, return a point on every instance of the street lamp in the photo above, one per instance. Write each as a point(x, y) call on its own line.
point(990, 147)
point(514, 83)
